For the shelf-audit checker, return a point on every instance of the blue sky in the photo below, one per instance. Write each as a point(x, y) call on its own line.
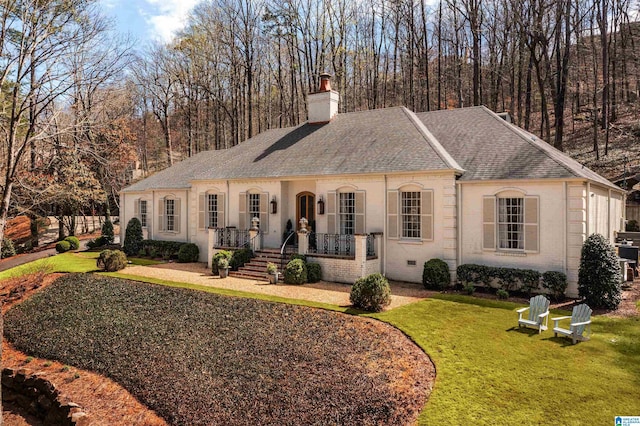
point(148, 20)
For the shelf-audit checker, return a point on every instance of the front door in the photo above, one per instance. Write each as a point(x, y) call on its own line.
point(305, 202)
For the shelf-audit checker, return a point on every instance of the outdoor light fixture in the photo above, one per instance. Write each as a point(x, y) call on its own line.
point(321, 205)
point(274, 205)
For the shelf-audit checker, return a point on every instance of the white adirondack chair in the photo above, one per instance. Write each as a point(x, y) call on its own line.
point(538, 314)
point(580, 320)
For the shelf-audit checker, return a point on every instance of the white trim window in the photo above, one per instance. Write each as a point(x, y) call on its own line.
point(254, 207)
point(347, 212)
point(411, 218)
point(143, 213)
point(170, 214)
point(212, 210)
point(511, 223)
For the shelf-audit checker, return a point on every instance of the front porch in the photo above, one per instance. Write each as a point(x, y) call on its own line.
point(343, 258)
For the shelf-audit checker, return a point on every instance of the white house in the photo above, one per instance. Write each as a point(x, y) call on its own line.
point(386, 190)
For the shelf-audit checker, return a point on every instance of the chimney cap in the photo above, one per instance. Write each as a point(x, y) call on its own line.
point(325, 82)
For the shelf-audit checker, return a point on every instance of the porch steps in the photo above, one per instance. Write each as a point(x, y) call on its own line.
point(257, 268)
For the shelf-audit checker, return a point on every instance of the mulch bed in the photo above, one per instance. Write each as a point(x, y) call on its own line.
point(200, 358)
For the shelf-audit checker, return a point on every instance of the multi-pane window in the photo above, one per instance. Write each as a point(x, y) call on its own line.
point(143, 213)
point(410, 214)
point(170, 214)
point(212, 211)
point(347, 212)
point(511, 223)
point(254, 207)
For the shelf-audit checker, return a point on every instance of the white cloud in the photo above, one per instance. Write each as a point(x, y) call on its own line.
point(166, 17)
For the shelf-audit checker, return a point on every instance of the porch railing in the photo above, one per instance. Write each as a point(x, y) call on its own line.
point(333, 244)
point(232, 238)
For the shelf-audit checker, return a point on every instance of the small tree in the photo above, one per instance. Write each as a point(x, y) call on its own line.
point(107, 230)
point(599, 276)
point(133, 237)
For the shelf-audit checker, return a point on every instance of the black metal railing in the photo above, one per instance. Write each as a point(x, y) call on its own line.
point(333, 244)
point(232, 237)
point(371, 245)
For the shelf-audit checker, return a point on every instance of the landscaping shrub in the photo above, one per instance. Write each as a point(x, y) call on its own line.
point(111, 260)
point(298, 256)
point(74, 242)
point(240, 257)
point(63, 246)
point(216, 258)
point(632, 226)
point(555, 282)
point(98, 242)
point(314, 272)
point(435, 275)
point(371, 293)
point(599, 275)
point(510, 279)
point(502, 294)
point(107, 230)
point(295, 272)
point(133, 237)
point(469, 289)
point(188, 253)
point(164, 249)
point(8, 249)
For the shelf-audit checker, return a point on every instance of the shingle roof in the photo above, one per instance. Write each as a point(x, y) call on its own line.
point(376, 141)
point(489, 148)
point(472, 141)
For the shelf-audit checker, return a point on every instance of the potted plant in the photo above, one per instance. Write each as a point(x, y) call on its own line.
point(223, 267)
point(272, 270)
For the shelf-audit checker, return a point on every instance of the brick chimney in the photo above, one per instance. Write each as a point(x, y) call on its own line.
point(323, 104)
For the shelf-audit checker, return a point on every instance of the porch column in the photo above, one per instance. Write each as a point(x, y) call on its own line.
point(361, 254)
point(213, 236)
point(303, 241)
point(254, 232)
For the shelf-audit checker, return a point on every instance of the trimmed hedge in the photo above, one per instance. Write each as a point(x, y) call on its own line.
point(165, 249)
point(510, 279)
point(240, 257)
point(371, 293)
point(63, 246)
point(314, 272)
point(111, 260)
point(599, 277)
point(295, 272)
point(555, 283)
point(188, 253)
point(435, 275)
point(74, 242)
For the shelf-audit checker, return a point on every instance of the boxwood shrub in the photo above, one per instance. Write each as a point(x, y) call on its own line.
point(510, 279)
point(63, 246)
point(435, 275)
point(371, 293)
point(240, 257)
point(314, 272)
point(188, 253)
point(74, 242)
point(295, 272)
point(555, 282)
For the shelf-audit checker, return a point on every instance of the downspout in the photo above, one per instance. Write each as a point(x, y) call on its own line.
point(588, 208)
point(459, 225)
point(383, 240)
point(565, 261)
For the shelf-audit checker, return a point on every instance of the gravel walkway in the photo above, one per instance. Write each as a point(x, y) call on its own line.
point(324, 292)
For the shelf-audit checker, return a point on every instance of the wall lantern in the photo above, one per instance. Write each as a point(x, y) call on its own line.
point(321, 205)
point(274, 205)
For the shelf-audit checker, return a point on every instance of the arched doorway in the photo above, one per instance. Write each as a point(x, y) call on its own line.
point(305, 207)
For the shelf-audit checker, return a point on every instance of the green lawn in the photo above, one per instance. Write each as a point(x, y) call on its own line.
point(489, 372)
point(66, 262)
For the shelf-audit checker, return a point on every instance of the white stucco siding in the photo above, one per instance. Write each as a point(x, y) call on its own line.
point(551, 229)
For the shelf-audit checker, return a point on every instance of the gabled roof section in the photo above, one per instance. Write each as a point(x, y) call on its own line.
point(377, 141)
point(489, 148)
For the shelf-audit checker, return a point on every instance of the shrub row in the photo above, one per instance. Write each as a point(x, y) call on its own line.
point(512, 279)
point(69, 243)
point(165, 249)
